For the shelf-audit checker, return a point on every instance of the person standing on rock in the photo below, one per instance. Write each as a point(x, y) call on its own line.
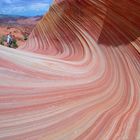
point(9, 39)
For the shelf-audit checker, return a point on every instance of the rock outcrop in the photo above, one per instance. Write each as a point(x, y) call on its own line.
point(77, 77)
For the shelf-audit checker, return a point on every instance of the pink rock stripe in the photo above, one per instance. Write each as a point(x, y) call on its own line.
point(77, 77)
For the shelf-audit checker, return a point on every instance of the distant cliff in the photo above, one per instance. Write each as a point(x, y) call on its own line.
point(18, 20)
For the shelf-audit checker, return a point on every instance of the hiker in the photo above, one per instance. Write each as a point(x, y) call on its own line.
point(9, 40)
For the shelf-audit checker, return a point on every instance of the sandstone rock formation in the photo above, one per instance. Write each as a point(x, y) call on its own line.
point(77, 77)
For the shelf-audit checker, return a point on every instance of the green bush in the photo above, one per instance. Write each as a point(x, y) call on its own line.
point(2, 40)
point(14, 44)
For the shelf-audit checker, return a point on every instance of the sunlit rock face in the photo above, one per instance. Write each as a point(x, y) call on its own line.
point(77, 77)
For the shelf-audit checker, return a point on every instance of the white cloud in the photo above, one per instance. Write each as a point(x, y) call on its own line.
point(36, 7)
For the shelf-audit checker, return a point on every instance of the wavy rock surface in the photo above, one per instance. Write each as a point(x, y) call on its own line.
point(77, 77)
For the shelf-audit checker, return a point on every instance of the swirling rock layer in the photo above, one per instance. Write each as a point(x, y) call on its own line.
point(77, 77)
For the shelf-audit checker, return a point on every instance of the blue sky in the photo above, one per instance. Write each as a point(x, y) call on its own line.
point(24, 7)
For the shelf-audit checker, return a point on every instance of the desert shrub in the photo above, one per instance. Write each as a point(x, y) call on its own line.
point(25, 36)
point(1, 42)
point(2, 39)
point(14, 44)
